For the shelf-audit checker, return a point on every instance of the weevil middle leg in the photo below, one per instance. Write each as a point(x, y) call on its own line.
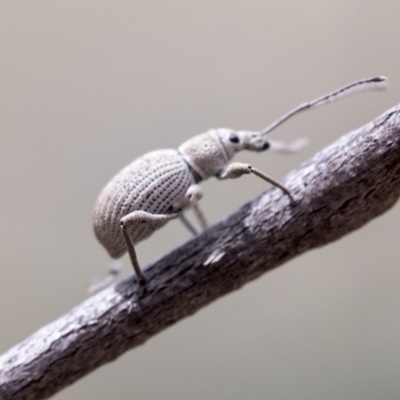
point(193, 195)
point(188, 224)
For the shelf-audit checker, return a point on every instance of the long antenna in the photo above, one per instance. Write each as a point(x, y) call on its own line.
point(377, 82)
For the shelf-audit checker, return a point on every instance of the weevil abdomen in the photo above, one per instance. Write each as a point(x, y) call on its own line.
point(156, 183)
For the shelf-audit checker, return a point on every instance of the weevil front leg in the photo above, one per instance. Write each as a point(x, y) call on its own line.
point(140, 223)
point(237, 169)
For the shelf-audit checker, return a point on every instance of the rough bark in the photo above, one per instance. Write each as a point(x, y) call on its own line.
point(340, 189)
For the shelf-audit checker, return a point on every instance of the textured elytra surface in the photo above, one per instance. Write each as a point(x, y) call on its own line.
point(340, 189)
point(156, 182)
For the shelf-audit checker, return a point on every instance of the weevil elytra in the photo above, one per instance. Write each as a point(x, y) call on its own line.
point(160, 185)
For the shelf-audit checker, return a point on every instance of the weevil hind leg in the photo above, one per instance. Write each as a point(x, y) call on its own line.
point(111, 277)
point(145, 222)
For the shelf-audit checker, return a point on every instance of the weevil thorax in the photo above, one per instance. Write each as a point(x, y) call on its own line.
point(209, 152)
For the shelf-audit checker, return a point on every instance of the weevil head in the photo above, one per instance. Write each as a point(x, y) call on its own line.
point(234, 141)
point(209, 152)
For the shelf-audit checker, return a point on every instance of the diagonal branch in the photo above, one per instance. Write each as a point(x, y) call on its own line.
point(340, 189)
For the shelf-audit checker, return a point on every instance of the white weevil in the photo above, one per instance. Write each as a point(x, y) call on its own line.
point(159, 185)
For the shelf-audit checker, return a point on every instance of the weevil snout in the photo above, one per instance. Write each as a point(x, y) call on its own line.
point(253, 141)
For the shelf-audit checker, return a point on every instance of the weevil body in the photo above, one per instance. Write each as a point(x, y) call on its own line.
point(155, 183)
point(160, 185)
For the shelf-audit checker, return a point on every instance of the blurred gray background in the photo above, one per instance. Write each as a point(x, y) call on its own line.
point(88, 86)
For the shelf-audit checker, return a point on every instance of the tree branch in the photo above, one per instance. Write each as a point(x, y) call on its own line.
point(340, 189)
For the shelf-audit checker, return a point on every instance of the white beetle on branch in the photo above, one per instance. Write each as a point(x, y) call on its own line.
point(159, 185)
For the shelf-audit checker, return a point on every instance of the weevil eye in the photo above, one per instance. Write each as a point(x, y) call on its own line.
point(266, 146)
point(234, 138)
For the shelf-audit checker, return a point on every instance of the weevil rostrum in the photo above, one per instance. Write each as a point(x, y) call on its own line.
point(158, 186)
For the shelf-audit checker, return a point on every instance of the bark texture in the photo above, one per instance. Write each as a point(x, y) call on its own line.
point(340, 189)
